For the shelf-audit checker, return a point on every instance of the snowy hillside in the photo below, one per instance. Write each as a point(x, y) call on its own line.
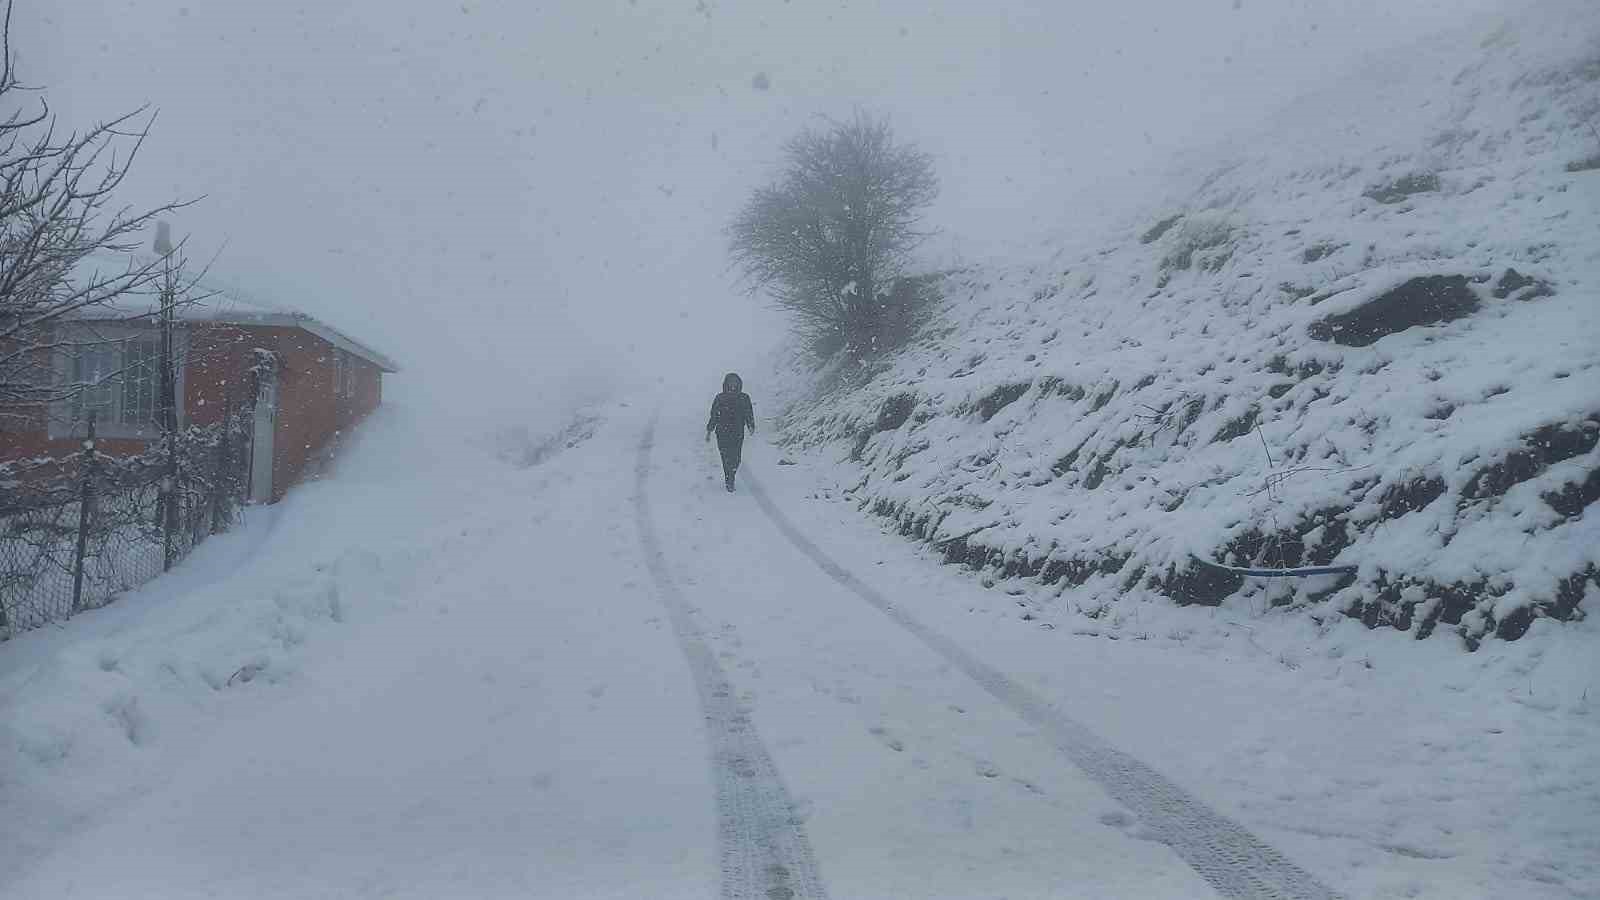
point(1366, 337)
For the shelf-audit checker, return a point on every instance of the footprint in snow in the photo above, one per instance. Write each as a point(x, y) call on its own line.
point(1117, 819)
point(889, 740)
point(1032, 788)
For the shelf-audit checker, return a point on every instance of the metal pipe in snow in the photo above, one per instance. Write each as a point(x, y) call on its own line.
point(1301, 572)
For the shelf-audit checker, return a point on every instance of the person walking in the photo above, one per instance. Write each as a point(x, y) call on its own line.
point(731, 414)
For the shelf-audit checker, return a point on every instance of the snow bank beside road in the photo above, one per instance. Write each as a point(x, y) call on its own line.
point(97, 710)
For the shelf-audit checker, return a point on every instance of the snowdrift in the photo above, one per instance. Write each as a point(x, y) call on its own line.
point(1365, 336)
point(94, 711)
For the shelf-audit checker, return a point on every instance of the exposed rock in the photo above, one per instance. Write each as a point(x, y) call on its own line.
point(1427, 300)
point(1398, 189)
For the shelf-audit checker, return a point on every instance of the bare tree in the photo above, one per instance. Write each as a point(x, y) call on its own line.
point(65, 246)
point(830, 240)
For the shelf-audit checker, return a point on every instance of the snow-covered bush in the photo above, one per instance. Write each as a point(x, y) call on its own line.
point(1204, 241)
point(1403, 187)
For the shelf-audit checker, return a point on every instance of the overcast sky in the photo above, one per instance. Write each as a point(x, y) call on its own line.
point(503, 192)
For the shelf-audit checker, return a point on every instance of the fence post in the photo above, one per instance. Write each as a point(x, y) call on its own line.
point(169, 505)
point(85, 501)
point(220, 478)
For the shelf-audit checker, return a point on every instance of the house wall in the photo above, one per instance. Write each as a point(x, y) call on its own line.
point(36, 442)
point(18, 422)
point(218, 372)
point(24, 434)
point(369, 389)
point(219, 377)
point(312, 418)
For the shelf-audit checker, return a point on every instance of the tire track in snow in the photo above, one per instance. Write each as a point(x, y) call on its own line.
point(763, 847)
point(1230, 858)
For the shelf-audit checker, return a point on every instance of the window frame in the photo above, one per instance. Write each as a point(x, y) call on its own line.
point(66, 418)
point(144, 384)
point(344, 374)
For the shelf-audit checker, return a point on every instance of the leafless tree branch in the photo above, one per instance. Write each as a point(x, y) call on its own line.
point(65, 246)
point(830, 240)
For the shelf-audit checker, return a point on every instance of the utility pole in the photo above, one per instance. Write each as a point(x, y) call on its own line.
point(168, 398)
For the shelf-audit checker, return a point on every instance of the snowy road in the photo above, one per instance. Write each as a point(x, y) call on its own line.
point(605, 677)
point(910, 779)
point(764, 849)
point(1234, 861)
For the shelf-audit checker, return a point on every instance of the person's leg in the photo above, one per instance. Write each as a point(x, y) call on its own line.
point(730, 459)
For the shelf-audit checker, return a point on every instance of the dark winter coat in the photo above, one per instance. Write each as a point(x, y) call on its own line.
point(731, 414)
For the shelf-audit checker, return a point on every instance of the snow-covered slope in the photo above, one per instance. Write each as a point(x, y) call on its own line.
point(1367, 335)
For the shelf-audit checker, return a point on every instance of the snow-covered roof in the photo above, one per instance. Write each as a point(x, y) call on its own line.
point(223, 302)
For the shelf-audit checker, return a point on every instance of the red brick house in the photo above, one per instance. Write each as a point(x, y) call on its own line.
point(303, 384)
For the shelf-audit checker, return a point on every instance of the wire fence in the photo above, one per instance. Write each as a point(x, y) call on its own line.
point(77, 531)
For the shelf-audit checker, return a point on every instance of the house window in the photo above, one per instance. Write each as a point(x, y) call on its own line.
point(118, 383)
point(94, 377)
point(141, 382)
point(347, 375)
point(344, 375)
point(115, 378)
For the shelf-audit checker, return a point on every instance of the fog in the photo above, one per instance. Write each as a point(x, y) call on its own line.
point(521, 201)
